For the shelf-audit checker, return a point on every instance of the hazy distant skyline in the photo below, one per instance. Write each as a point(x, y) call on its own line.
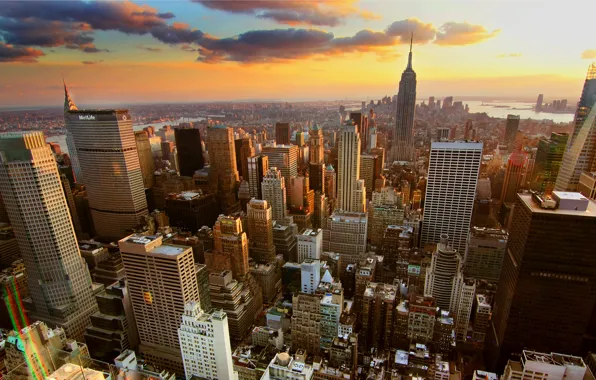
point(201, 50)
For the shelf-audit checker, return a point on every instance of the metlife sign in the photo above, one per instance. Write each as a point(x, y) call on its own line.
point(86, 117)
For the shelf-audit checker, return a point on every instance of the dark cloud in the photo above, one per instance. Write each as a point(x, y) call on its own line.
point(364, 40)
point(10, 53)
point(33, 32)
point(92, 62)
point(177, 33)
point(308, 17)
point(462, 33)
point(292, 12)
point(148, 48)
point(266, 45)
point(403, 29)
point(188, 48)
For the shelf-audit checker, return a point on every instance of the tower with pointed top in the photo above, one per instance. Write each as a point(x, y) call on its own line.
point(403, 137)
point(69, 105)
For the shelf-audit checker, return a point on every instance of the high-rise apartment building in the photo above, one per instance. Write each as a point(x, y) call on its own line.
point(309, 244)
point(274, 192)
point(330, 182)
point(145, 158)
point(107, 154)
point(306, 322)
point(515, 176)
point(161, 279)
point(260, 231)
point(310, 275)
point(231, 240)
point(443, 277)
point(484, 253)
point(61, 295)
point(223, 175)
point(548, 162)
point(283, 133)
point(257, 167)
point(378, 308)
point(422, 316)
point(403, 135)
point(545, 298)
point(511, 128)
point(450, 191)
point(368, 172)
point(345, 234)
point(466, 296)
point(247, 150)
point(190, 154)
point(539, 102)
point(580, 154)
point(350, 197)
point(205, 344)
point(284, 158)
point(69, 105)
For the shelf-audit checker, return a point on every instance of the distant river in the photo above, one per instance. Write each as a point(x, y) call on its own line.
point(61, 139)
point(526, 111)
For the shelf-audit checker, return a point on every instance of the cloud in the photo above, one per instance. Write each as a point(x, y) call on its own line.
point(404, 29)
point(92, 62)
point(293, 12)
point(462, 33)
point(148, 48)
point(509, 55)
point(589, 54)
point(10, 53)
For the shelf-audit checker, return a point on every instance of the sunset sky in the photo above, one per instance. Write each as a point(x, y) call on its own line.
point(201, 50)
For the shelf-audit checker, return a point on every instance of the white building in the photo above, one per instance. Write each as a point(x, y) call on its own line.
point(310, 272)
point(205, 343)
point(284, 366)
point(349, 189)
point(450, 191)
point(467, 291)
point(443, 277)
point(542, 366)
point(310, 244)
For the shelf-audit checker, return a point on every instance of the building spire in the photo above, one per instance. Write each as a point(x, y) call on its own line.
point(410, 54)
point(69, 104)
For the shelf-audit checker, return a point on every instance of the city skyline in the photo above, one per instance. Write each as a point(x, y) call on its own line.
point(258, 50)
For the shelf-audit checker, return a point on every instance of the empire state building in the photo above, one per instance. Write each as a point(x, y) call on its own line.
point(403, 139)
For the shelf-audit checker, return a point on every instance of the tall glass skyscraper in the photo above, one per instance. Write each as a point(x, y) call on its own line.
point(581, 147)
point(58, 278)
point(403, 136)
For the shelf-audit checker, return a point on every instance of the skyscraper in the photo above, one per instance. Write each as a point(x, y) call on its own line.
point(190, 155)
point(205, 343)
point(161, 279)
point(546, 294)
point(58, 279)
point(514, 176)
point(284, 158)
point(257, 167)
point(450, 191)
point(403, 136)
point(145, 158)
point(223, 175)
point(539, 102)
point(283, 133)
point(580, 154)
point(548, 161)
point(69, 105)
point(349, 171)
point(443, 279)
point(274, 192)
point(511, 128)
point(316, 165)
point(260, 231)
point(107, 154)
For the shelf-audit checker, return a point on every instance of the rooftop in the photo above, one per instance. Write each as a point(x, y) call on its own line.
point(166, 249)
point(526, 198)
